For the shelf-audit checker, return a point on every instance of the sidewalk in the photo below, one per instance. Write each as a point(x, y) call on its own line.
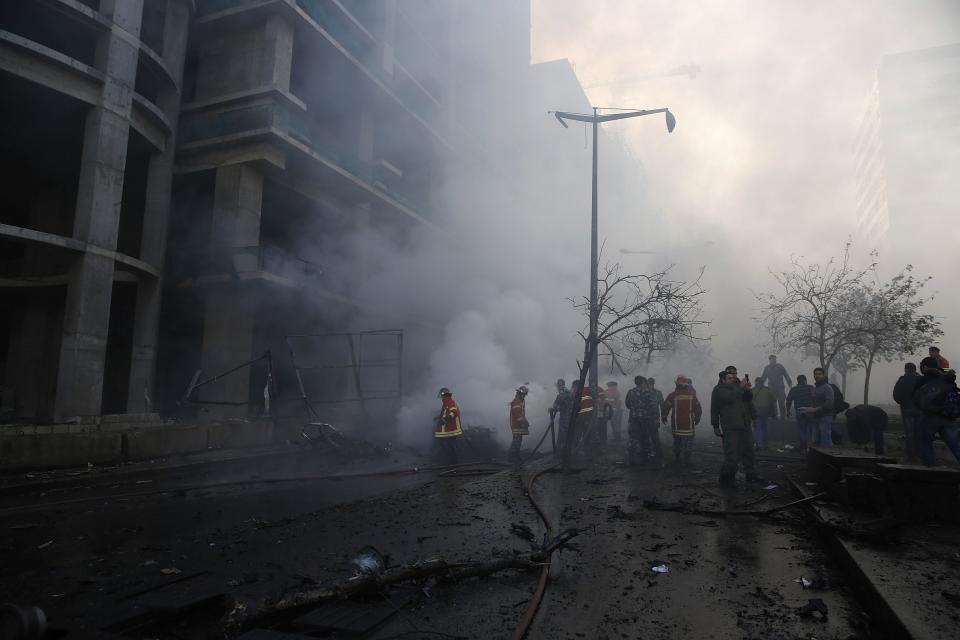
point(13, 482)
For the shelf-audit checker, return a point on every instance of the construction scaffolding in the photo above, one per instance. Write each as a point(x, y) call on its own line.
point(264, 403)
point(337, 368)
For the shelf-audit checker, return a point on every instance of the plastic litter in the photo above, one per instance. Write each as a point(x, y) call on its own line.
point(45, 544)
point(171, 571)
point(770, 487)
point(660, 568)
point(369, 562)
point(806, 584)
point(789, 447)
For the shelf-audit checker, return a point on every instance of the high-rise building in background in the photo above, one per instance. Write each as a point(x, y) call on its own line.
point(907, 151)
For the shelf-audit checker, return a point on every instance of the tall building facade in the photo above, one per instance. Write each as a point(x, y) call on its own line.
point(91, 95)
point(907, 151)
point(190, 181)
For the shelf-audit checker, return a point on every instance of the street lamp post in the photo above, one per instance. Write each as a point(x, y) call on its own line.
point(595, 120)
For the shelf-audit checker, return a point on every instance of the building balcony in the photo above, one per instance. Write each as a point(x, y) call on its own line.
point(328, 28)
point(275, 118)
point(265, 263)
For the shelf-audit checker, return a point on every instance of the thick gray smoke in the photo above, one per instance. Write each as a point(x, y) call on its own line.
point(759, 169)
point(762, 162)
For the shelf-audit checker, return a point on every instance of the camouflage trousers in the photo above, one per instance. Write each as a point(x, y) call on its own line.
point(644, 440)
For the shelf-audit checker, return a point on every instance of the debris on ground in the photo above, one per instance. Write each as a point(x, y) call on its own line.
point(171, 571)
point(240, 616)
point(813, 607)
point(660, 568)
point(522, 531)
point(369, 562)
point(758, 592)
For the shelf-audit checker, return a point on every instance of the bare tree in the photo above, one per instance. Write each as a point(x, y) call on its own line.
point(813, 307)
point(886, 321)
point(642, 313)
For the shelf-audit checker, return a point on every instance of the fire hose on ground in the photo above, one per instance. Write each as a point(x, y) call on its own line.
point(537, 598)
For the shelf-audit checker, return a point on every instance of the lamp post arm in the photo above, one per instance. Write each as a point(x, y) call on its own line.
point(631, 114)
point(566, 115)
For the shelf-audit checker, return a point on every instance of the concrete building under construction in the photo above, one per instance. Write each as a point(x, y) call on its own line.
point(186, 182)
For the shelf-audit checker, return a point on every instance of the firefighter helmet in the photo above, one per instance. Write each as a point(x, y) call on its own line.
point(523, 390)
point(444, 392)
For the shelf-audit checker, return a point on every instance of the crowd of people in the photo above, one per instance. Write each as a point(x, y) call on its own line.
point(740, 414)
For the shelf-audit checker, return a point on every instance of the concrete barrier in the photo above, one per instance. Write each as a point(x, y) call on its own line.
point(164, 441)
point(234, 434)
point(54, 450)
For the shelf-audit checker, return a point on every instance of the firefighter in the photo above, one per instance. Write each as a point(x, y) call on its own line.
point(447, 425)
point(518, 422)
point(684, 412)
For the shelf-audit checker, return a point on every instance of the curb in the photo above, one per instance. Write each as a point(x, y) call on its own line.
point(884, 614)
point(128, 470)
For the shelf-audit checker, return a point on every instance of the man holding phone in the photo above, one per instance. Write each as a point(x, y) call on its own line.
point(731, 414)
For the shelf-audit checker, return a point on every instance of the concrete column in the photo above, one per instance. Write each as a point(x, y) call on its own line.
point(100, 190)
point(228, 324)
point(278, 52)
point(237, 200)
point(388, 36)
point(141, 393)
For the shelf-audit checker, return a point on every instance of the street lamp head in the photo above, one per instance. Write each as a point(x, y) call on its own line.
point(671, 122)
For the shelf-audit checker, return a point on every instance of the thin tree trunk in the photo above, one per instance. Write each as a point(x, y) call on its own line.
point(866, 379)
point(567, 458)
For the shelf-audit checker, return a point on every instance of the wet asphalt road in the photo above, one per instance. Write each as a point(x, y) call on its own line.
point(728, 577)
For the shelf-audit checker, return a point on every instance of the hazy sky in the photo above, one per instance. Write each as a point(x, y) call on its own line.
point(761, 161)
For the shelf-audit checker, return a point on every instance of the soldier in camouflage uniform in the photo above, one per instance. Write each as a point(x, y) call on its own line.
point(644, 423)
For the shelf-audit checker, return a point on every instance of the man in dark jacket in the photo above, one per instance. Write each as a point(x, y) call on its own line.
point(867, 421)
point(930, 390)
point(800, 397)
point(909, 414)
point(731, 414)
point(775, 374)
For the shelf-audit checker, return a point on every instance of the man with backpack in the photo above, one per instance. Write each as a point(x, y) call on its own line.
point(938, 399)
point(909, 414)
point(839, 406)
